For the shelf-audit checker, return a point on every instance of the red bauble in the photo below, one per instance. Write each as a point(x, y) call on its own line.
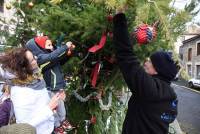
point(110, 18)
point(110, 34)
point(145, 34)
point(93, 120)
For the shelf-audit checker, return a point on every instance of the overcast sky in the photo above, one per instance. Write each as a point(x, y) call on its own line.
point(180, 4)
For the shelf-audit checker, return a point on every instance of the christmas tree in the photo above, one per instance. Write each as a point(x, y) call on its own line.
point(96, 103)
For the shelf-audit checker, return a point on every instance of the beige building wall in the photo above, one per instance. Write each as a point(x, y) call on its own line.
point(191, 31)
point(195, 60)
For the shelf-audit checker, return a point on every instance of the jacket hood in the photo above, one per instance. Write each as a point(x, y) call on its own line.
point(34, 48)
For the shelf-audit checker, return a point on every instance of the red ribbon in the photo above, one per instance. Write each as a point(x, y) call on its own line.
point(99, 46)
point(95, 73)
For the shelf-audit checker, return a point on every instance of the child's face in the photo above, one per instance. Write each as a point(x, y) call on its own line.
point(48, 45)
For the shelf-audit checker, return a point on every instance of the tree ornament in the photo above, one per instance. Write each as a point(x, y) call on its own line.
point(108, 106)
point(55, 1)
point(110, 34)
point(99, 46)
point(30, 4)
point(82, 99)
point(110, 18)
point(116, 124)
point(93, 120)
point(21, 12)
point(95, 73)
point(145, 34)
point(42, 10)
point(108, 121)
point(8, 6)
point(87, 124)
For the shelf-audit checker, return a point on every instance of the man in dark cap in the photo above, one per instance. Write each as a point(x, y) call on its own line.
point(153, 104)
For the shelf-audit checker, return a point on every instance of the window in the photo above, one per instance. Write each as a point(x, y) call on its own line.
point(181, 56)
point(189, 70)
point(1, 5)
point(198, 72)
point(198, 49)
point(189, 54)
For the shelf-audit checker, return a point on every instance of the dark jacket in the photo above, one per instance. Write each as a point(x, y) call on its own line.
point(153, 104)
point(5, 108)
point(50, 62)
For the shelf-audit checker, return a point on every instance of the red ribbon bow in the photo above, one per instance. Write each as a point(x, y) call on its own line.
point(99, 46)
point(95, 73)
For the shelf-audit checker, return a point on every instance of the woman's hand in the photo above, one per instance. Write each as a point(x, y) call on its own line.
point(54, 101)
point(62, 95)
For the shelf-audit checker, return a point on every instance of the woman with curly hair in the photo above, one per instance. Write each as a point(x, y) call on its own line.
point(29, 95)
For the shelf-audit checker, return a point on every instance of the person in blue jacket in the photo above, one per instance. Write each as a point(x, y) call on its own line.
point(50, 59)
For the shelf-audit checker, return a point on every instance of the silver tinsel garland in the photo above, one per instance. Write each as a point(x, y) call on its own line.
point(106, 107)
point(83, 99)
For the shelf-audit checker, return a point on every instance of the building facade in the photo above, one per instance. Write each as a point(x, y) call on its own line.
point(190, 56)
point(191, 31)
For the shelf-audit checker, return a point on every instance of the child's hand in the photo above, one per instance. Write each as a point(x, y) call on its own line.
point(70, 45)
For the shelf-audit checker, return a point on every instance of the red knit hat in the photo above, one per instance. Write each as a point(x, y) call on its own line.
point(40, 40)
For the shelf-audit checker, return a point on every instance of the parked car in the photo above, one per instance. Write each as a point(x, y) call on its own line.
point(194, 82)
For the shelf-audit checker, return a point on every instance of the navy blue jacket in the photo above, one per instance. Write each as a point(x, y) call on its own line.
point(153, 104)
point(50, 62)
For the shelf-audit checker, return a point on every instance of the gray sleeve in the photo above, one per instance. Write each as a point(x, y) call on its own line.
point(5, 75)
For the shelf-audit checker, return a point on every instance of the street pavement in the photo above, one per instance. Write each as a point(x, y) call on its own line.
point(188, 109)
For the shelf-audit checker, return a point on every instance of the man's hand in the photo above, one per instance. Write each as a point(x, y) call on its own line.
point(122, 9)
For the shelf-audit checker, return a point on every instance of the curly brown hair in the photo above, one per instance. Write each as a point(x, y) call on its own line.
point(16, 62)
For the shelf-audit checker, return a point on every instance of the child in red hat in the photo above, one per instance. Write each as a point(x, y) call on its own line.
point(50, 60)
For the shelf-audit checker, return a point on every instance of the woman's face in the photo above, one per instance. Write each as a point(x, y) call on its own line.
point(32, 61)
